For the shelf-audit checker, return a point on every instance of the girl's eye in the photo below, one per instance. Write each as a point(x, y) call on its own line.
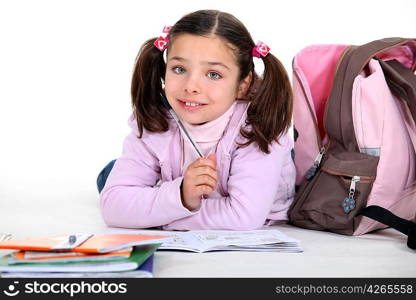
point(178, 70)
point(214, 75)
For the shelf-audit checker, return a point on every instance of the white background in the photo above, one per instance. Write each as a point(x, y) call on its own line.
point(65, 71)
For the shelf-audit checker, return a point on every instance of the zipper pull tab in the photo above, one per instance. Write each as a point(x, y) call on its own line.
point(318, 158)
point(312, 171)
point(354, 181)
point(349, 203)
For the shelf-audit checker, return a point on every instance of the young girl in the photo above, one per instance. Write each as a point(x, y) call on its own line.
point(238, 121)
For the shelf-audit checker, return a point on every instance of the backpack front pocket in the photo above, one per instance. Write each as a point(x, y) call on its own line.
point(339, 190)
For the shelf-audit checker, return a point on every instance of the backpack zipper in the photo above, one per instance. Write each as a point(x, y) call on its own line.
point(317, 162)
point(354, 181)
point(363, 179)
point(349, 202)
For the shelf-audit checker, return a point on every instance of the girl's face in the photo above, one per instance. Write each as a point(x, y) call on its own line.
point(201, 80)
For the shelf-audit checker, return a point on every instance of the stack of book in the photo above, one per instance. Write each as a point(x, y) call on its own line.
point(81, 255)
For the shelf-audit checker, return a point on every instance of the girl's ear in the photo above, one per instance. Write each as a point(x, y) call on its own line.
point(244, 85)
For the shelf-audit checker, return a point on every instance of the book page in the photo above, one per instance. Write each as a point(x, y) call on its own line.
point(184, 241)
point(208, 240)
point(239, 238)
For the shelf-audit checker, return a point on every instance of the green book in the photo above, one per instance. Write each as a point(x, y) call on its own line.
point(137, 257)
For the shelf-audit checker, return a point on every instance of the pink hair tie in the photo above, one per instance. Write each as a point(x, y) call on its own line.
point(162, 41)
point(261, 49)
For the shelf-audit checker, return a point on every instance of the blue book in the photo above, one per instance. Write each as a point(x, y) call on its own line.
point(146, 267)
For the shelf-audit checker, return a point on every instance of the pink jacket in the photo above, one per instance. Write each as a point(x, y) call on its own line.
point(257, 188)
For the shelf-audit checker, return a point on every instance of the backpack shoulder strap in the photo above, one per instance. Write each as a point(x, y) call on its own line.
point(338, 120)
point(386, 217)
point(402, 82)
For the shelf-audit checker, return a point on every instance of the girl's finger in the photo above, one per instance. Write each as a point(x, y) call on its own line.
point(200, 162)
point(205, 180)
point(204, 189)
point(204, 170)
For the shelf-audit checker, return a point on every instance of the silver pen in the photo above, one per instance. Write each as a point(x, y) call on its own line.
point(181, 127)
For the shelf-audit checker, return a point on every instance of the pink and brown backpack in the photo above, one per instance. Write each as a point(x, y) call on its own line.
point(355, 149)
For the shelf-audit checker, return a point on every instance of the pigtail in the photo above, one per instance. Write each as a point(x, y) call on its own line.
point(146, 87)
point(270, 110)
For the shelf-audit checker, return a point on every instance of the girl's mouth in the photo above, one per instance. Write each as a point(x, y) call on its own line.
point(190, 105)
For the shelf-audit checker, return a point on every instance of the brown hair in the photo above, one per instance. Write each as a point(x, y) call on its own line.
point(270, 111)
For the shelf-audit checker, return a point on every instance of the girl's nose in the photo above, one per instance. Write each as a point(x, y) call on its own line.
point(192, 86)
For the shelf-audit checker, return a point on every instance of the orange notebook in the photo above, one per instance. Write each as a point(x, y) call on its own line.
point(49, 256)
point(85, 243)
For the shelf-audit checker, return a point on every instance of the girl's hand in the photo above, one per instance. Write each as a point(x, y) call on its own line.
point(200, 179)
